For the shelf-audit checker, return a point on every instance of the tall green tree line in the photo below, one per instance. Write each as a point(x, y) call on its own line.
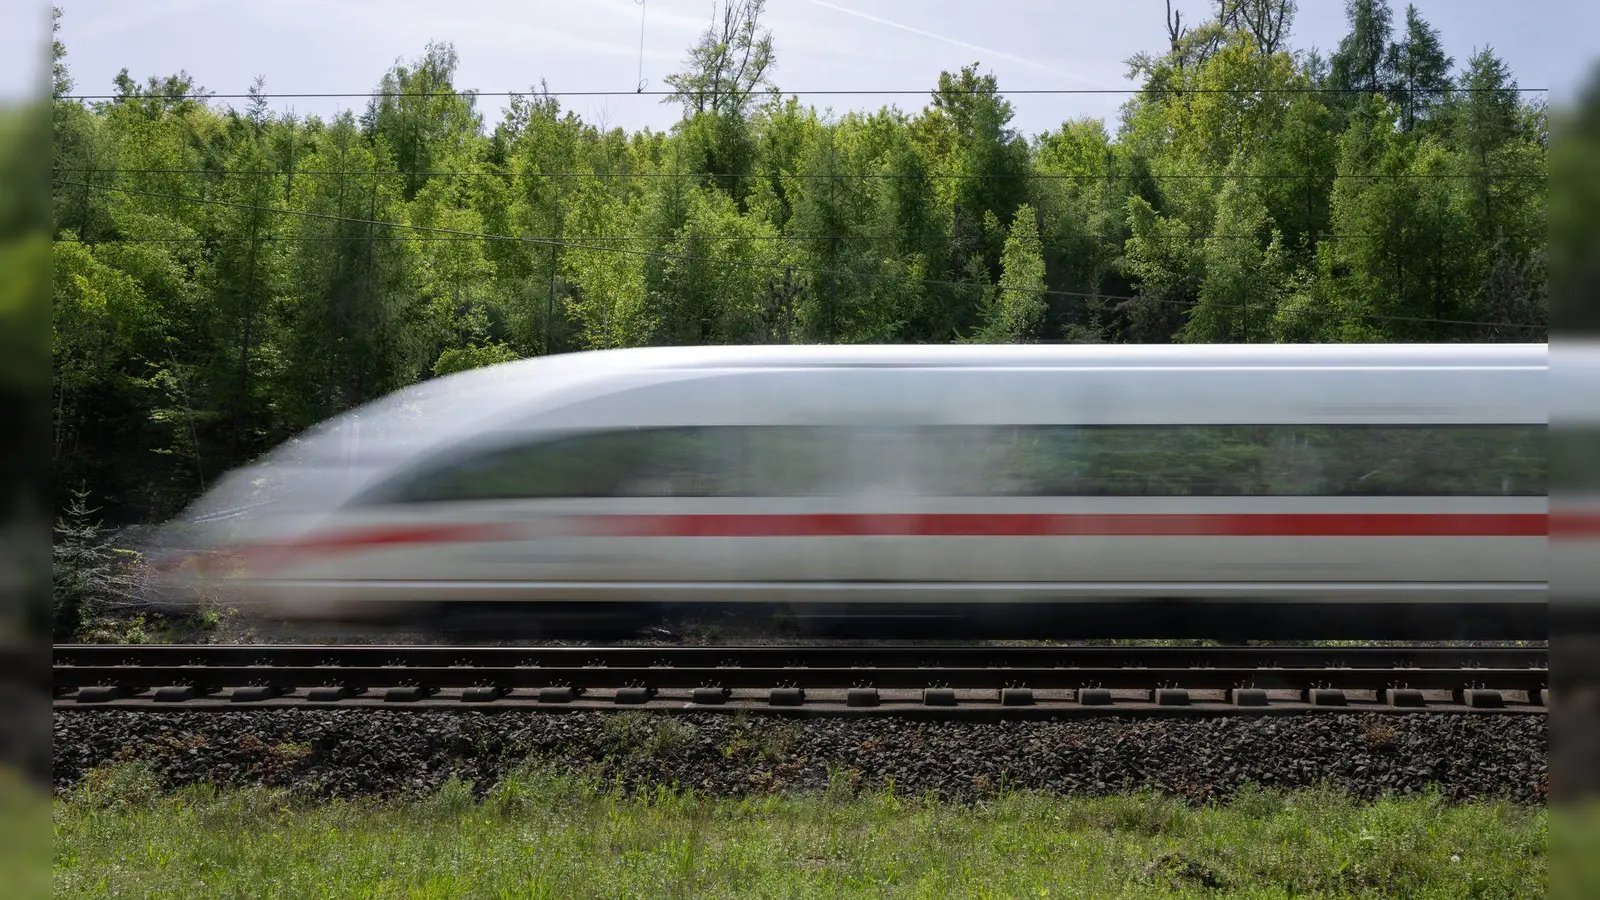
point(228, 275)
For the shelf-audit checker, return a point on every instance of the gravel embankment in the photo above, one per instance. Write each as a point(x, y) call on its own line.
point(351, 753)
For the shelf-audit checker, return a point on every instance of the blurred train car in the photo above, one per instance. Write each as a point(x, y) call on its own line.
point(1261, 492)
point(1575, 488)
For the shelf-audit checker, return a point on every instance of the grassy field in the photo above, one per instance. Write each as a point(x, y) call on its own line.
point(540, 835)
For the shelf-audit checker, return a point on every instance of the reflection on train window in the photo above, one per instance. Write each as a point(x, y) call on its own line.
point(1278, 461)
point(1007, 461)
point(607, 464)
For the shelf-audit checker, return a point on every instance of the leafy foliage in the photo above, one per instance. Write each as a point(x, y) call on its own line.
point(461, 359)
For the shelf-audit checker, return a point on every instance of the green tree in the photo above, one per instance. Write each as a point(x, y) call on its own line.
point(1363, 61)
point(60, 79)
point(1167, 265)
point(606, 269)
point(910, 235)
point(1016, 312)
point(1245, 271)
point(1269, 22)
point(542, 148)
point(1406, 250)
point(714, 270)
point(418, 113)
point(472, 356)
point(784, 132)
point(967, 133)
point(354, 304)
point(1081, 191)
point(246, 272)
point(1486, 116)
point(1421, 71)
point(731, 61)
point(829, 206)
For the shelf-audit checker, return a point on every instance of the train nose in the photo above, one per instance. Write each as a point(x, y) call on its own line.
point(176, 578)
point(191, 580)
point(190, 559)
point(169, 562)
point(195, 567)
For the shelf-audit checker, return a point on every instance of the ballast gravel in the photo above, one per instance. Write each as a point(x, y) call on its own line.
point(349, 753)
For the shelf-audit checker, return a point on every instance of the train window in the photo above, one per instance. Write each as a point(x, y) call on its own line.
point(1049, 460)
point(635, 462)
point(1279, 460)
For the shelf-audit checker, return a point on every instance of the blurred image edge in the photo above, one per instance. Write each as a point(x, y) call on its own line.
point(25, 153)
point(1574, 278)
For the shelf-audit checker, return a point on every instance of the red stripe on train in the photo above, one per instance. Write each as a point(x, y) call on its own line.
point(410, 534)
point(360, 539)
point(1566, 524)
point(1074, 525)
point(915, 525)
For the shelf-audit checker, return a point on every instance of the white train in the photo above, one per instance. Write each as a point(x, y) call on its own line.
point(1288, 491)
point(1575, 504)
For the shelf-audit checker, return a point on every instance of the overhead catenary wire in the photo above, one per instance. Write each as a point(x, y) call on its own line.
point(820, 92)
point(885, 236)
point(756, 264)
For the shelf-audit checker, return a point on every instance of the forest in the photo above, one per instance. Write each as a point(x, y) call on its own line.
point(227, 275)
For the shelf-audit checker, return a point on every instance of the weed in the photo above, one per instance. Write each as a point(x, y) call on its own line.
point(289, 752)
point(133, 782)
point(645, 736)
point(453, 798)
point(1143, 813)
point(843, 784)
point(767, 741)
point(1380, 736)
point(1179, 871)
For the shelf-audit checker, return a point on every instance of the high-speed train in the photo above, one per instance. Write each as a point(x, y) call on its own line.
point(1226, 491)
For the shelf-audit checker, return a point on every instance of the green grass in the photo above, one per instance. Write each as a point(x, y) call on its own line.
point(544, 835)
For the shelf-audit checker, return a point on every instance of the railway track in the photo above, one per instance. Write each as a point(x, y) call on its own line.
point(930, 680)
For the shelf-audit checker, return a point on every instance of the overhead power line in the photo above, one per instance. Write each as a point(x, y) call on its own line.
point(823, 92)
point(754, 264)
point(754, 238)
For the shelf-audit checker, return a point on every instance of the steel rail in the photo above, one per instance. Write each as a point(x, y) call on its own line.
point(987, 678)
point(797, 656)
point(1004, 676)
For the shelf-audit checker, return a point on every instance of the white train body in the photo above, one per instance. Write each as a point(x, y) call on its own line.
point(1575, 500)
point(1110, 491)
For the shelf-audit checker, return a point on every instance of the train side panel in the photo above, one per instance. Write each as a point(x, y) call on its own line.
point(905, 545)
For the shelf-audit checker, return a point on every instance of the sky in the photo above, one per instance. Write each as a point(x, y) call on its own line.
point(344, 46)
